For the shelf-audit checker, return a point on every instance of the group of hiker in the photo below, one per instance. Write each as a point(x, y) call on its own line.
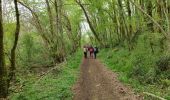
point(92, 51)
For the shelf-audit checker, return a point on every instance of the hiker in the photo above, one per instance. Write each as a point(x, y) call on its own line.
point(91, 50)
point(85, 51)
point(96, 50)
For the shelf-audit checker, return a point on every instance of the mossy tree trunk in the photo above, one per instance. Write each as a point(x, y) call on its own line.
point(3, 72)
point(13, 50)
point(149, 11)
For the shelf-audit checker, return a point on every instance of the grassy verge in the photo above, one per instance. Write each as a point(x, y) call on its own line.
point(56, 85)
point(139, 70)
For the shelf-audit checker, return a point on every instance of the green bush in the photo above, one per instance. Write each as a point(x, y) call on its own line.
point(145, 67)
point(56, 85)
point(31, 52)
point(163, 64)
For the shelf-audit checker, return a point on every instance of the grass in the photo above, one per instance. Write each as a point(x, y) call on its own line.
point(54, 86)
point(137, 69)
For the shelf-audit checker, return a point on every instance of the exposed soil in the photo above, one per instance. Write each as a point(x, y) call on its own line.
point(98, 83)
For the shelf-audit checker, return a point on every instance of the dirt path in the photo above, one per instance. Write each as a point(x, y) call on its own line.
point(98, 83)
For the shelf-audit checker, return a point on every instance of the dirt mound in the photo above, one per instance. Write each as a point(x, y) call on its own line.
point(98, 83)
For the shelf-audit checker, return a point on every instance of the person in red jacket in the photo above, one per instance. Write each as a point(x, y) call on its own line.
point(91, 50)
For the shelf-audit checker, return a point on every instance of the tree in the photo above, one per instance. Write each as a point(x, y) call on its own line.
point(13, 50)
point(149, 11)
point(150, 17)
point(3, 72)
point(89, 22)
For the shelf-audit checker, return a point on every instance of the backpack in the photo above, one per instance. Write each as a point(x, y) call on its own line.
point(85, 49)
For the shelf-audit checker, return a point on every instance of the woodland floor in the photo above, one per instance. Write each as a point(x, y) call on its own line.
point(96, 82)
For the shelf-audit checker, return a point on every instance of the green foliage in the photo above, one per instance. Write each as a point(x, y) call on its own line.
point(28, 48)
point(147, 63)
point(141, 67)
point(163, 64)
point(8, 39)
point(56, 85)
point(32, 51)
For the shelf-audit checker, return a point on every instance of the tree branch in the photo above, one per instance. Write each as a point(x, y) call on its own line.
point(153, 20)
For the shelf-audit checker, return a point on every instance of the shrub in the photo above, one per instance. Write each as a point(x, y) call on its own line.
point(163, 64)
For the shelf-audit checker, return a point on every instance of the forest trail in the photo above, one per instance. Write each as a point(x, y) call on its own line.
point(98, 83)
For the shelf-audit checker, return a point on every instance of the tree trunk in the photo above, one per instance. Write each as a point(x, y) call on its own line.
point(149, 11)
point(160, 12)
point(59, 28)
point(125, 28)
point(3, 72)
point(50, 18)
point(13, 50)
point(130, 25)
point(168, 6)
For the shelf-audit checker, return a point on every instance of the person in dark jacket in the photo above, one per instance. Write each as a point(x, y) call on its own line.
point(96, 50)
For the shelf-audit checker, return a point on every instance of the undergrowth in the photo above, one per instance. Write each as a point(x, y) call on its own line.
point(56, 85)
point(143, 69)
